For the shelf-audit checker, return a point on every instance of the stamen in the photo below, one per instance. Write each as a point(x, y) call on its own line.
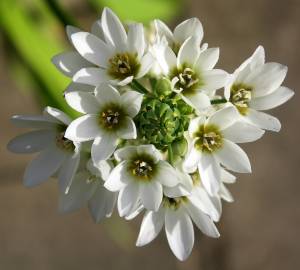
point(142, 169)
point(174, 203)
point(208, 138)
point(240, 97)
point(123, 65)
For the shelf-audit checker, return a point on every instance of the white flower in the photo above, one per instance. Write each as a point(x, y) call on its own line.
point(108, 54)
point(256, 86)
point(188, 28)
point(192, 73)
point(87, 189)
point(58, 155)
point(212, 142)
point(108, 117)
point(140, 177)
point(177, 215)
point(224, 193)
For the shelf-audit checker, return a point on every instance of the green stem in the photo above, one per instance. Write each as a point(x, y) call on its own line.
point(170, 154)
point(138, 87)
point(218, 101)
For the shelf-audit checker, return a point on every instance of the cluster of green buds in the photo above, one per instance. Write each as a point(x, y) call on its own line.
point(163, 118)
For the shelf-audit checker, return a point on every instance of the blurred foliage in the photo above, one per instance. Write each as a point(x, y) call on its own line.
point(142, 10)
point(33, 31)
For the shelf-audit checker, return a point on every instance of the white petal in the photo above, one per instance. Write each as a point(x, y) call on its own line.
point(210, 173)
point(225, 194)
point(43, 166)
point(126, 153)
point(188, 52)
point(127, 198)
point(67, 172)
point(102, 203)
point(188, 28)
point(149, 149)
point(168, 61)
point(103, 147)
point(135, 211)
point(33, 121)
point(177, 191)
point(199, 101)
point(151, 226)
point(151, 195)
point(96, 30)
point(113, 29)
point(275, 99)
point(146, 64)
point(92, 48)
point(82, 102)
point(57, 115)
point(107, 94)
point(180, 233)
point(80, 192)
point(266, 78)
point(256, 60)
point(127, 130)
point(195, 124)
point(166, 174)
point(136, 40)
point(208, 59)
point(79, 87)
point(118, 178)
point(163, 30)
point(72, 30)
point(233, 157)
point(91, 76)
point(84, 128)
point(227, 177)
point(124, 82)
point(69, 62)
point(214, 79)
point(191, 161)
point(203, 222)
point(31, 142)
point(242, 132)
point(132, 101)
point(224, 117)
point(202, 200)
point(262, 120)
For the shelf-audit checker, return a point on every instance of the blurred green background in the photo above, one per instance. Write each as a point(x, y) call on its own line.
point(259, 231)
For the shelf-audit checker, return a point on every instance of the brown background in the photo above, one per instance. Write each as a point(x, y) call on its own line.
point(259, 231)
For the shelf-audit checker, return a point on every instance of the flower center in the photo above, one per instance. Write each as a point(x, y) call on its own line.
point(111, 117)
point(196, 178)
point(123, 65)
point(142, 167)
point(174, 203)
point(63, 143)
point(240, 96)
point(208, 138)
point(92, 179)
point(187, 79)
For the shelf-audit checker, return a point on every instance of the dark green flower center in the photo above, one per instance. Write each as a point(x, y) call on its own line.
point(112, 117)
point(123, 65)
point(208, 138)
point(174, 203)
point(142, 167)
point(240, 96)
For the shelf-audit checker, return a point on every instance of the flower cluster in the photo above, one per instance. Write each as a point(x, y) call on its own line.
point(153, 134)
